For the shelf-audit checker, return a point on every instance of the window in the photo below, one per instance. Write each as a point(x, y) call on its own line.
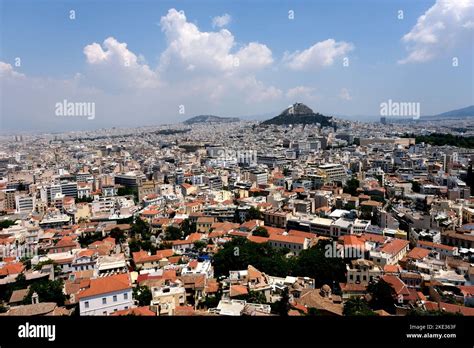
point(125, 296)
point(115, 298)
point(104, 300)
point(86, 304)
point(126, 307)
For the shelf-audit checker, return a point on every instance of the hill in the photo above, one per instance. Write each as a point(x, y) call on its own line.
point(464, 112)
point(299, 113)
point(210, 119)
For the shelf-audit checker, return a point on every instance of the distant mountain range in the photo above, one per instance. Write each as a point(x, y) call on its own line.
point(468, 111)
point(458, 113)
point(299, 113)
point(210, 119)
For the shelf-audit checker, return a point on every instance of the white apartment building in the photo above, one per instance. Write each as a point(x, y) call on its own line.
point(106, 295)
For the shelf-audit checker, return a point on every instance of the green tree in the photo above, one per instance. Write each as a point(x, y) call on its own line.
point(118, 235)
point(40, 265)
point(351, 186)
point(382, 296)
point(143, 295)
point(314, 263)
point(134, 245)
point(6, 290)
point(88, 238)
point(48, 291)
point(84, 200)
point(415, 186)
point(313, 312)
point(282, 306)
point(173, 233)
point(357, 306)
point(254, 214)
point(261, 232)
point(240, 252)
point(417, 312)
point(199, 245)
point(128, 191)
point(188, 227)
point(140, 228)
point(256, 297)
point(6, 223)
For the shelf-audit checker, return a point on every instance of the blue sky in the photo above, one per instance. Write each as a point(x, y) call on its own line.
point(280, 60)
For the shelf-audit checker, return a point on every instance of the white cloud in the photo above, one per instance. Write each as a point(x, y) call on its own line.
point(300, 93)
point(116, 66)
point(196, 50)
point(254, 56)
point(221, 21)
point(6, 71)
point(345, 94)
point(445, 25)
point(321, 54)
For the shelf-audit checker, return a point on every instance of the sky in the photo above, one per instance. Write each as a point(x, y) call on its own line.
point(139, 63)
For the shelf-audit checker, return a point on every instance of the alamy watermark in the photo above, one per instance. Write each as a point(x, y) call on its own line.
point(393, 108)
point(18, 251)
point(333, 250)
point(75, 109)
point(28, 330)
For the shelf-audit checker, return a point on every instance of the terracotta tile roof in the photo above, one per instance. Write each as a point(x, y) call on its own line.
point(253, 273)
point(352, 241)
point(300, 307)
point(391, 269)
point(238, 233)
point(66, 241)
point(371, 203)
point(174, 259)
point(287, 239)
point(87, 252)
point(352, 287)
point(423, 243)
point(12, 268)
point(257, 239)
point(394, 246)
point(238, 290)
point(150, 212)
point(184, 311)
point(297, 233)
point(448, 307)
point(418, 253)
point(249, 225)
point(371, 237)
point(106, 285)
point(18, 295)
point(41, 308)
point(274, 230)
point(212, 286)
point(142, 256)
point(311, 298)
point(397, 284)
point(194, 281)
point(138, 311)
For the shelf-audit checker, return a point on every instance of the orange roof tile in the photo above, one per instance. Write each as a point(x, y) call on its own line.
point(106, 285)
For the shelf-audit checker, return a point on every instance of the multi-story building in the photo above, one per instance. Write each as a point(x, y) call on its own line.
point(106, 295)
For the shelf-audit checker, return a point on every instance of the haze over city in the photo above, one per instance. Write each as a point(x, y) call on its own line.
point(149, 63)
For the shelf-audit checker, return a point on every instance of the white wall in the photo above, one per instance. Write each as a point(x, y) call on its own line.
point(97, 308)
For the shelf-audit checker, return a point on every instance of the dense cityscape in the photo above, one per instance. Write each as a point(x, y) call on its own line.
point(218, 216)
point(217, 173)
